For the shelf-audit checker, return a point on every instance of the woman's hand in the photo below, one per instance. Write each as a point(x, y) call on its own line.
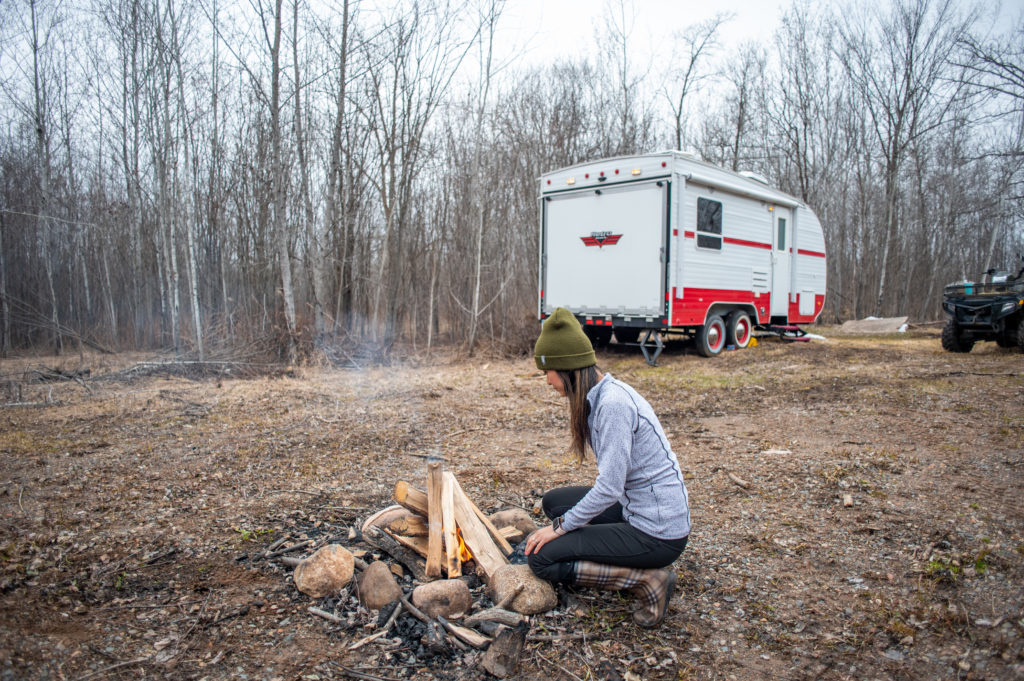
point(541, 537)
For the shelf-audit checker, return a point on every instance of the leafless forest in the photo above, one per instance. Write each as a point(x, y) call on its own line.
point(290, 177)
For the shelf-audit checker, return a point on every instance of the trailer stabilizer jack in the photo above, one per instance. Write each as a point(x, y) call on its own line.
point(646, 345)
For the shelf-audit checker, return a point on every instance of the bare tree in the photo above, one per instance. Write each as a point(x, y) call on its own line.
point(691, 47)
point(901, 78)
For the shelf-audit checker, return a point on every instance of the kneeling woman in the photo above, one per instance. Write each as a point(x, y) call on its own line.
point(635, 519)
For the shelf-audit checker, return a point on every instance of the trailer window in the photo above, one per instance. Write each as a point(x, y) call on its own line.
point(780, 243)
point(709, 221)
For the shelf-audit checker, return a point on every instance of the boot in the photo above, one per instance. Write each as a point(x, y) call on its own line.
point(652, 588)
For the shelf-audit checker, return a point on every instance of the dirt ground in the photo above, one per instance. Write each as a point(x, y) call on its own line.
point(135, 506)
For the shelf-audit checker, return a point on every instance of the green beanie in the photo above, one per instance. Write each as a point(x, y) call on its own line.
point(562, 344)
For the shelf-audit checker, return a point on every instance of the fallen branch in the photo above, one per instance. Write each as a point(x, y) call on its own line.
point(326, 615)
point(290, 549)
point(363, 677)
point(739, 481)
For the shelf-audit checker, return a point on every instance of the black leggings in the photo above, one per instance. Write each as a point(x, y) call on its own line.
point(607, 539)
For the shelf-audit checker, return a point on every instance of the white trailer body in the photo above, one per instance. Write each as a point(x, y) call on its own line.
point(666, 242)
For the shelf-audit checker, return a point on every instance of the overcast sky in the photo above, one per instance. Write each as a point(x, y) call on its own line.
point(540, 31)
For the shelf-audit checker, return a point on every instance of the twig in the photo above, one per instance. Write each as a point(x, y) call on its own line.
point(511, 596)
point(559, 666)
point(273, 547)
point(293, 547)
point(364, 677)
point(326, 615)
point(739, 481)
point(413, 610)
point(140, 660)
point(545, 638)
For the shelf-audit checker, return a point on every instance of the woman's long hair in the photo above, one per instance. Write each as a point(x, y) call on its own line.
point(577, 383)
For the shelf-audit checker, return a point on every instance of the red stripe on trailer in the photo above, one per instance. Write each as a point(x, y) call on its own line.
point(816, 254)
point(744, 242)
point(734, 241)
point(692, 308)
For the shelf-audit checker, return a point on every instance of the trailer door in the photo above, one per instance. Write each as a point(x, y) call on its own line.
point(782, 238)
point(604, 249)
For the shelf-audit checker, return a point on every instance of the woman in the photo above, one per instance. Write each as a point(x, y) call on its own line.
point(635, 519)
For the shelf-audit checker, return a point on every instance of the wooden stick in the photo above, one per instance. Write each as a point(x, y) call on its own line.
point(486, 553)
point(289, 549)
point(453, 561)
point(739, 481)
point(434, 522)
point(417, 544)
point(326, 615)
point(468, 636)
point(499, 538)
point(409, 526)
point(509, 597)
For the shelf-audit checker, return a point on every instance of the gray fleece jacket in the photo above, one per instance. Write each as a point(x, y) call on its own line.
point(635, 465)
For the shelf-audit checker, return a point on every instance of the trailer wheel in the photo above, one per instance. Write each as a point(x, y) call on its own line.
point(599, 336)
point(711, 337)
point(953, 340)
point(738, 329)
point(1020, 334)
point(627, 334)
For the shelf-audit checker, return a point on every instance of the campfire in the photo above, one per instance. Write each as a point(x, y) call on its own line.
point(438, 534)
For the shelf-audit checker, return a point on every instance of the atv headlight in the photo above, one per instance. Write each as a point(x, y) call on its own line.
point(1010, 306)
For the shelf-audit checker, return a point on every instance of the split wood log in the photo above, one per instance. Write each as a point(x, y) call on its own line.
point(499, 615)
point(378, 538)
point(499, 539)
point(502, 657)
point(409, 526)
point(487, 555)
point(417, 544)
point(434, 542)
point(468, 636)
point(453, 558)
point(386, 516)
point(509, 532)
point(413, 499)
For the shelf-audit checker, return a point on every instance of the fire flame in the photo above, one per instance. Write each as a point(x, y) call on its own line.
point(464, 553)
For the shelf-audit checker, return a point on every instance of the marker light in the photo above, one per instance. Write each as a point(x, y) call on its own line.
point(571, 180)
point(636, 171)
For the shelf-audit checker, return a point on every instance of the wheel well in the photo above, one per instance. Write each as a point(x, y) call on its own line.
point(723, 310)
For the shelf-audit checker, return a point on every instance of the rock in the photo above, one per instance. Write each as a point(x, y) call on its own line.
point(445, 597)
point(537, 595)
point(325, 572)
point(377, 586)
point(514, 517)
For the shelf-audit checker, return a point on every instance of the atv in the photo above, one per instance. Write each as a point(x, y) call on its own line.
point(991, 310)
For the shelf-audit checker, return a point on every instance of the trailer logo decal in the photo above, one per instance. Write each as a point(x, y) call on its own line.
point(601, 239)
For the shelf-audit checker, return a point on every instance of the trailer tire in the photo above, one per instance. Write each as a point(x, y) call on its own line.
point(1020, 334)
point(738, 329)
point(711, 337)
point(953, 340)
point(627, 334)
point(599, 336)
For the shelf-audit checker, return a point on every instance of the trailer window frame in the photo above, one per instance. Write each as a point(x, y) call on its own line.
point(709, 223)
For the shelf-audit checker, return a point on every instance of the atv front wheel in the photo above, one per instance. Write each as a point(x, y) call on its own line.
point(953, 339)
